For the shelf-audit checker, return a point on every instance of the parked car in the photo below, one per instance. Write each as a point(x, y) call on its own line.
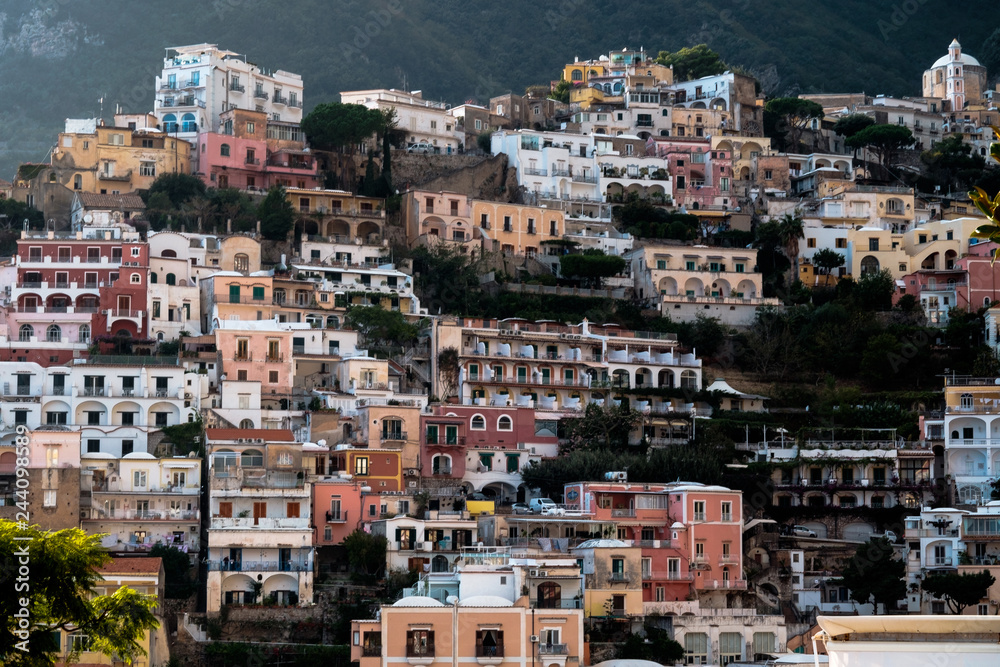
point(889, 535)
point(520, 508)
point(420, 147)
point(477, 496)
point(802, 531)
point(542, 505)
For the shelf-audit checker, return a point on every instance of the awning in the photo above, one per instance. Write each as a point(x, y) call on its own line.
point(844, 625)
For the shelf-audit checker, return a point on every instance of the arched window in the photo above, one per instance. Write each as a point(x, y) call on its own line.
point(136, 279)
point(252, 458)
point(188, 123)
point(152, 277)
point(171, 279)
point(159, 336)
point(576, 75)
point(53, 334)
point(279, 296)
point(168, 253)
point(869, 265)
point(505, 424)
point(77, 182)
point(441, 465)
point(25, 333)
point(84, 333)
point(689, 380)
point(549, 595)
point(224, 150)
point(241, 262)
point(966, 401)
point(170, 123)
point(246, 423)
point(478, 423)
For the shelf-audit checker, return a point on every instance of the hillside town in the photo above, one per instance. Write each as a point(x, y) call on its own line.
point(640, 364)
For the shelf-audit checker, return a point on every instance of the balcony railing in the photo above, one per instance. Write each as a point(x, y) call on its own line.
point(619, 577)
point(553, 649)
point(338, 517)
point(584, 178)
point(144, 515)
point(443, 470)
point(418, 651)
point(258, 566)
point(237, 87)
point(394, 435)
point(489, 651)
point(260, 94)
point(536, 172)
point(280, 99)
point(252, 160)
point(456, 441)
point(295, 104)
point(623, 513)
point(371, 651)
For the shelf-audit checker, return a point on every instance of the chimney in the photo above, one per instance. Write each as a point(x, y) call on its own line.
point(229, 225)
point(258, 227)
point(283, 259)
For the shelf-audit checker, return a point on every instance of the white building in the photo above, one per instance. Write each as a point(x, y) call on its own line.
point(114, 406)
point(933, 542)
point(259, 533)
point(551, 164)
point(200, 81)
point(423, 121)
point(140, 500)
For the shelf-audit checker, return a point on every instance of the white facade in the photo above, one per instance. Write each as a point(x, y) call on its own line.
point(200, 81)
point(938, 532)
point(551, 164)
point(423, 121)
point(141, 501)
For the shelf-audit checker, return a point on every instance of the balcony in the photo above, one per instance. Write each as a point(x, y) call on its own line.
point(144, 515)
point(237, 87)
point(419, 654)
point(260, 94)
point(536, 172)
point(107, 176)
point(252, 161)
point(371, 651)
point(274, 358)
point(338, 517)
point(660, 575)
point(619, 578)
point(442, 471)
point(280, 99)
point(584, 178)
point(394, 436)
point(553, 649)
point(489, 655)
point(458, 441)
point(724, 584)
point(295, 104)
point(258, 566)
point(560, 172)
point(95, 391)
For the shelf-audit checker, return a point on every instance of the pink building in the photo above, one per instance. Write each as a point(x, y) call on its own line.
point(257, 351)
point(702, 178)
point(254, 153)
point(339, 508)
point(484, 446)
point(982, 285)
point(690, 534)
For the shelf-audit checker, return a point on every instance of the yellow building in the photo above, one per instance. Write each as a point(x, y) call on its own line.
point(144, 575)
point(120, 158)
point(930, 246)
point(580, 72)
point(337, 214)
point(613, 572)
point(514, 229)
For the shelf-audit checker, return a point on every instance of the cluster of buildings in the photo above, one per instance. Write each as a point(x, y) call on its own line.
point(178, 392)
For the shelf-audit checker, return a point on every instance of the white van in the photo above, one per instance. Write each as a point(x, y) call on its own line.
point(542, 505)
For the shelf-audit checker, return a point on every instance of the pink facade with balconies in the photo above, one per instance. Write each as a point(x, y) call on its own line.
point(252, 353)
point(338, 509)
point(690, 534)
point(702, 178)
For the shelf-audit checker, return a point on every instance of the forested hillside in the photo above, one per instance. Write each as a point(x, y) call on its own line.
point(59, 57)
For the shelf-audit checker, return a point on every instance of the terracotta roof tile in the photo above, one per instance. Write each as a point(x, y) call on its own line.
point(133, 566)
point(126, 201)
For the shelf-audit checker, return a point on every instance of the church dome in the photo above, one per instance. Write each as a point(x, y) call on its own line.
point(963, 58)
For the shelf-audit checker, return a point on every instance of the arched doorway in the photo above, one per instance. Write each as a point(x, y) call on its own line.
point(549, 595)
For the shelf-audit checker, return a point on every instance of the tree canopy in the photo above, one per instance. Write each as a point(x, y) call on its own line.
point(793, 115)
point(874, 574)
point(61, 596)
point(959, 590)
point(692, 62)
point(828, 259)
point(591, 267)
point(952, 163)
point(332, 125)
point(602, 426)
point(365, 553)
point(382, 331)
point(851, 124)
point(883, 140)
point(276, 215)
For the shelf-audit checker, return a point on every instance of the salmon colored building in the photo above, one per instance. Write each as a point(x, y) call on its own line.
point(474, 631)
point(690, 534)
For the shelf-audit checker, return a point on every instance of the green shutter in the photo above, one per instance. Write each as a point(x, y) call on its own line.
point(258, 293)
point(234, 294)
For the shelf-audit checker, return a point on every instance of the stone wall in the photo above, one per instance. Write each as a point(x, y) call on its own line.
point(474, 175)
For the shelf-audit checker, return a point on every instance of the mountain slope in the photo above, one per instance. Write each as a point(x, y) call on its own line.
point(58, 58)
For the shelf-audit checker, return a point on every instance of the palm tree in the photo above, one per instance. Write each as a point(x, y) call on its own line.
point(789, 232)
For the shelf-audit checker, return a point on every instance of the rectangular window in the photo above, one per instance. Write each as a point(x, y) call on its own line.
point(272, 377)
point(699, 510)
point(873, 245)
point(361, 465)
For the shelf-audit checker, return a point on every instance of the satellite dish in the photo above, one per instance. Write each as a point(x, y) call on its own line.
point(88, 218)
